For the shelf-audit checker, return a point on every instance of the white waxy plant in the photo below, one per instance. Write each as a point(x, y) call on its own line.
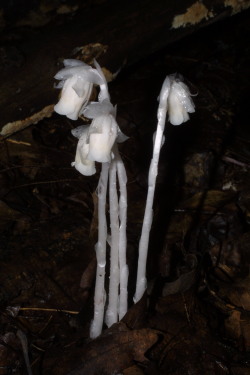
point(100, 248)
point(180, 102)
point(175, 99)
point(97, 142)
point(102, 136)
point(76, 81)
point(82, 164)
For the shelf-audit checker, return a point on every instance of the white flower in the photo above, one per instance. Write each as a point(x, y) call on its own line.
point(70, 103)
point(180, 102)
point(96, 109)
point(96, 141)
point(104, 130)
point(81, 163)
point(77, 79)
point(102, 136)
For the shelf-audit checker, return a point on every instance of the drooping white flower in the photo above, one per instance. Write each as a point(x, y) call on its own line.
point(70, 103)
point(180, 102)
point(82, 164)
point(104, 130)
point(77, 79)
point(102, 136)
point(96, 140)
point(96, 109)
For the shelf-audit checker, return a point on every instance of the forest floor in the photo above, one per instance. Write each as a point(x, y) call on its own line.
point(195, 317)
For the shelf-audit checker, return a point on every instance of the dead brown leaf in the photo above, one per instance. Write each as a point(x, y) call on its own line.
point(133, 370)
point(210, 200)
point(121, 345)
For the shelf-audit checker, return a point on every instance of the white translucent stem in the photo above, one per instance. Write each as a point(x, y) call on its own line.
point(100, 294)
point(112, 310)
point(141, 282)
point(122, 178)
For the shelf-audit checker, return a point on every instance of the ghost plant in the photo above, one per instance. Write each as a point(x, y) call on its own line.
point(175, 99)
point(76, 81)
point(98, 142)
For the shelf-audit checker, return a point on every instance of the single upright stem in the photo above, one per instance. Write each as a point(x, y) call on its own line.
point(100, 294)
point(141, 282)
point(112, 310)
point(122, 178)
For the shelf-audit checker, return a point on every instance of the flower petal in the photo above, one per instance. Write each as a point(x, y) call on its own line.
point(59, 85)
point(74, 62)
point(102, 136)
point(79, 131)
point(177, 113)
point(96, 109)
point(81, 163)
point(184, 96)
point(83, 88)
point(70, 103)
point(121, 137)
point(84, 72)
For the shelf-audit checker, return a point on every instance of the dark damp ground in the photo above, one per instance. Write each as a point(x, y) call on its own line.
point(196, 317)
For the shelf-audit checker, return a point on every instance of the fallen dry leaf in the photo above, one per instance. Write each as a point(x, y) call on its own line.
point(121, 345)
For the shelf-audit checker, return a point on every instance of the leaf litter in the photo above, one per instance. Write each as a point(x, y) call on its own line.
point(195, 317)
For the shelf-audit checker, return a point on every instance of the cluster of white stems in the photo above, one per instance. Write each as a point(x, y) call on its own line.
point(97, 142)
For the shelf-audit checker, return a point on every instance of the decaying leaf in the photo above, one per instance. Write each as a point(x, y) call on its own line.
point(89, 52)
point(133, 370)
point(208, 200)
point(183, 283)
point(201, 324)
point(9, 350)
point(237, 294)
point(121, 345)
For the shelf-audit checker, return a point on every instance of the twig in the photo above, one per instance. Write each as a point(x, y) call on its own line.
point(236, 162)
point(48, 310)
point(22, 337)
point(18, 142)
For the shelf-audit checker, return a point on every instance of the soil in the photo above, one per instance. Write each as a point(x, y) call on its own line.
point(195, 316)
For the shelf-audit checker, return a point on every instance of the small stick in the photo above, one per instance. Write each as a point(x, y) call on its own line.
point(48, 310)
point(22, 337)
point(100, 294)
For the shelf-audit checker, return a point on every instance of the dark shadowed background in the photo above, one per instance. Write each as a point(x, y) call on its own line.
point(195, 317)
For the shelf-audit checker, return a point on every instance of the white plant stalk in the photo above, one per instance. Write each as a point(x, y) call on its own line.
point(100, 294)
point(141, 282)
point(97, 143)
point(122, 179)
point(112, 310)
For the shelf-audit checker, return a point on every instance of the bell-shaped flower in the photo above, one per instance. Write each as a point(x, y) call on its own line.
point(102, 136)
point(77, 79)
point(81, 163)
point(104, 130)
point(96, 109)
point(180, 102)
